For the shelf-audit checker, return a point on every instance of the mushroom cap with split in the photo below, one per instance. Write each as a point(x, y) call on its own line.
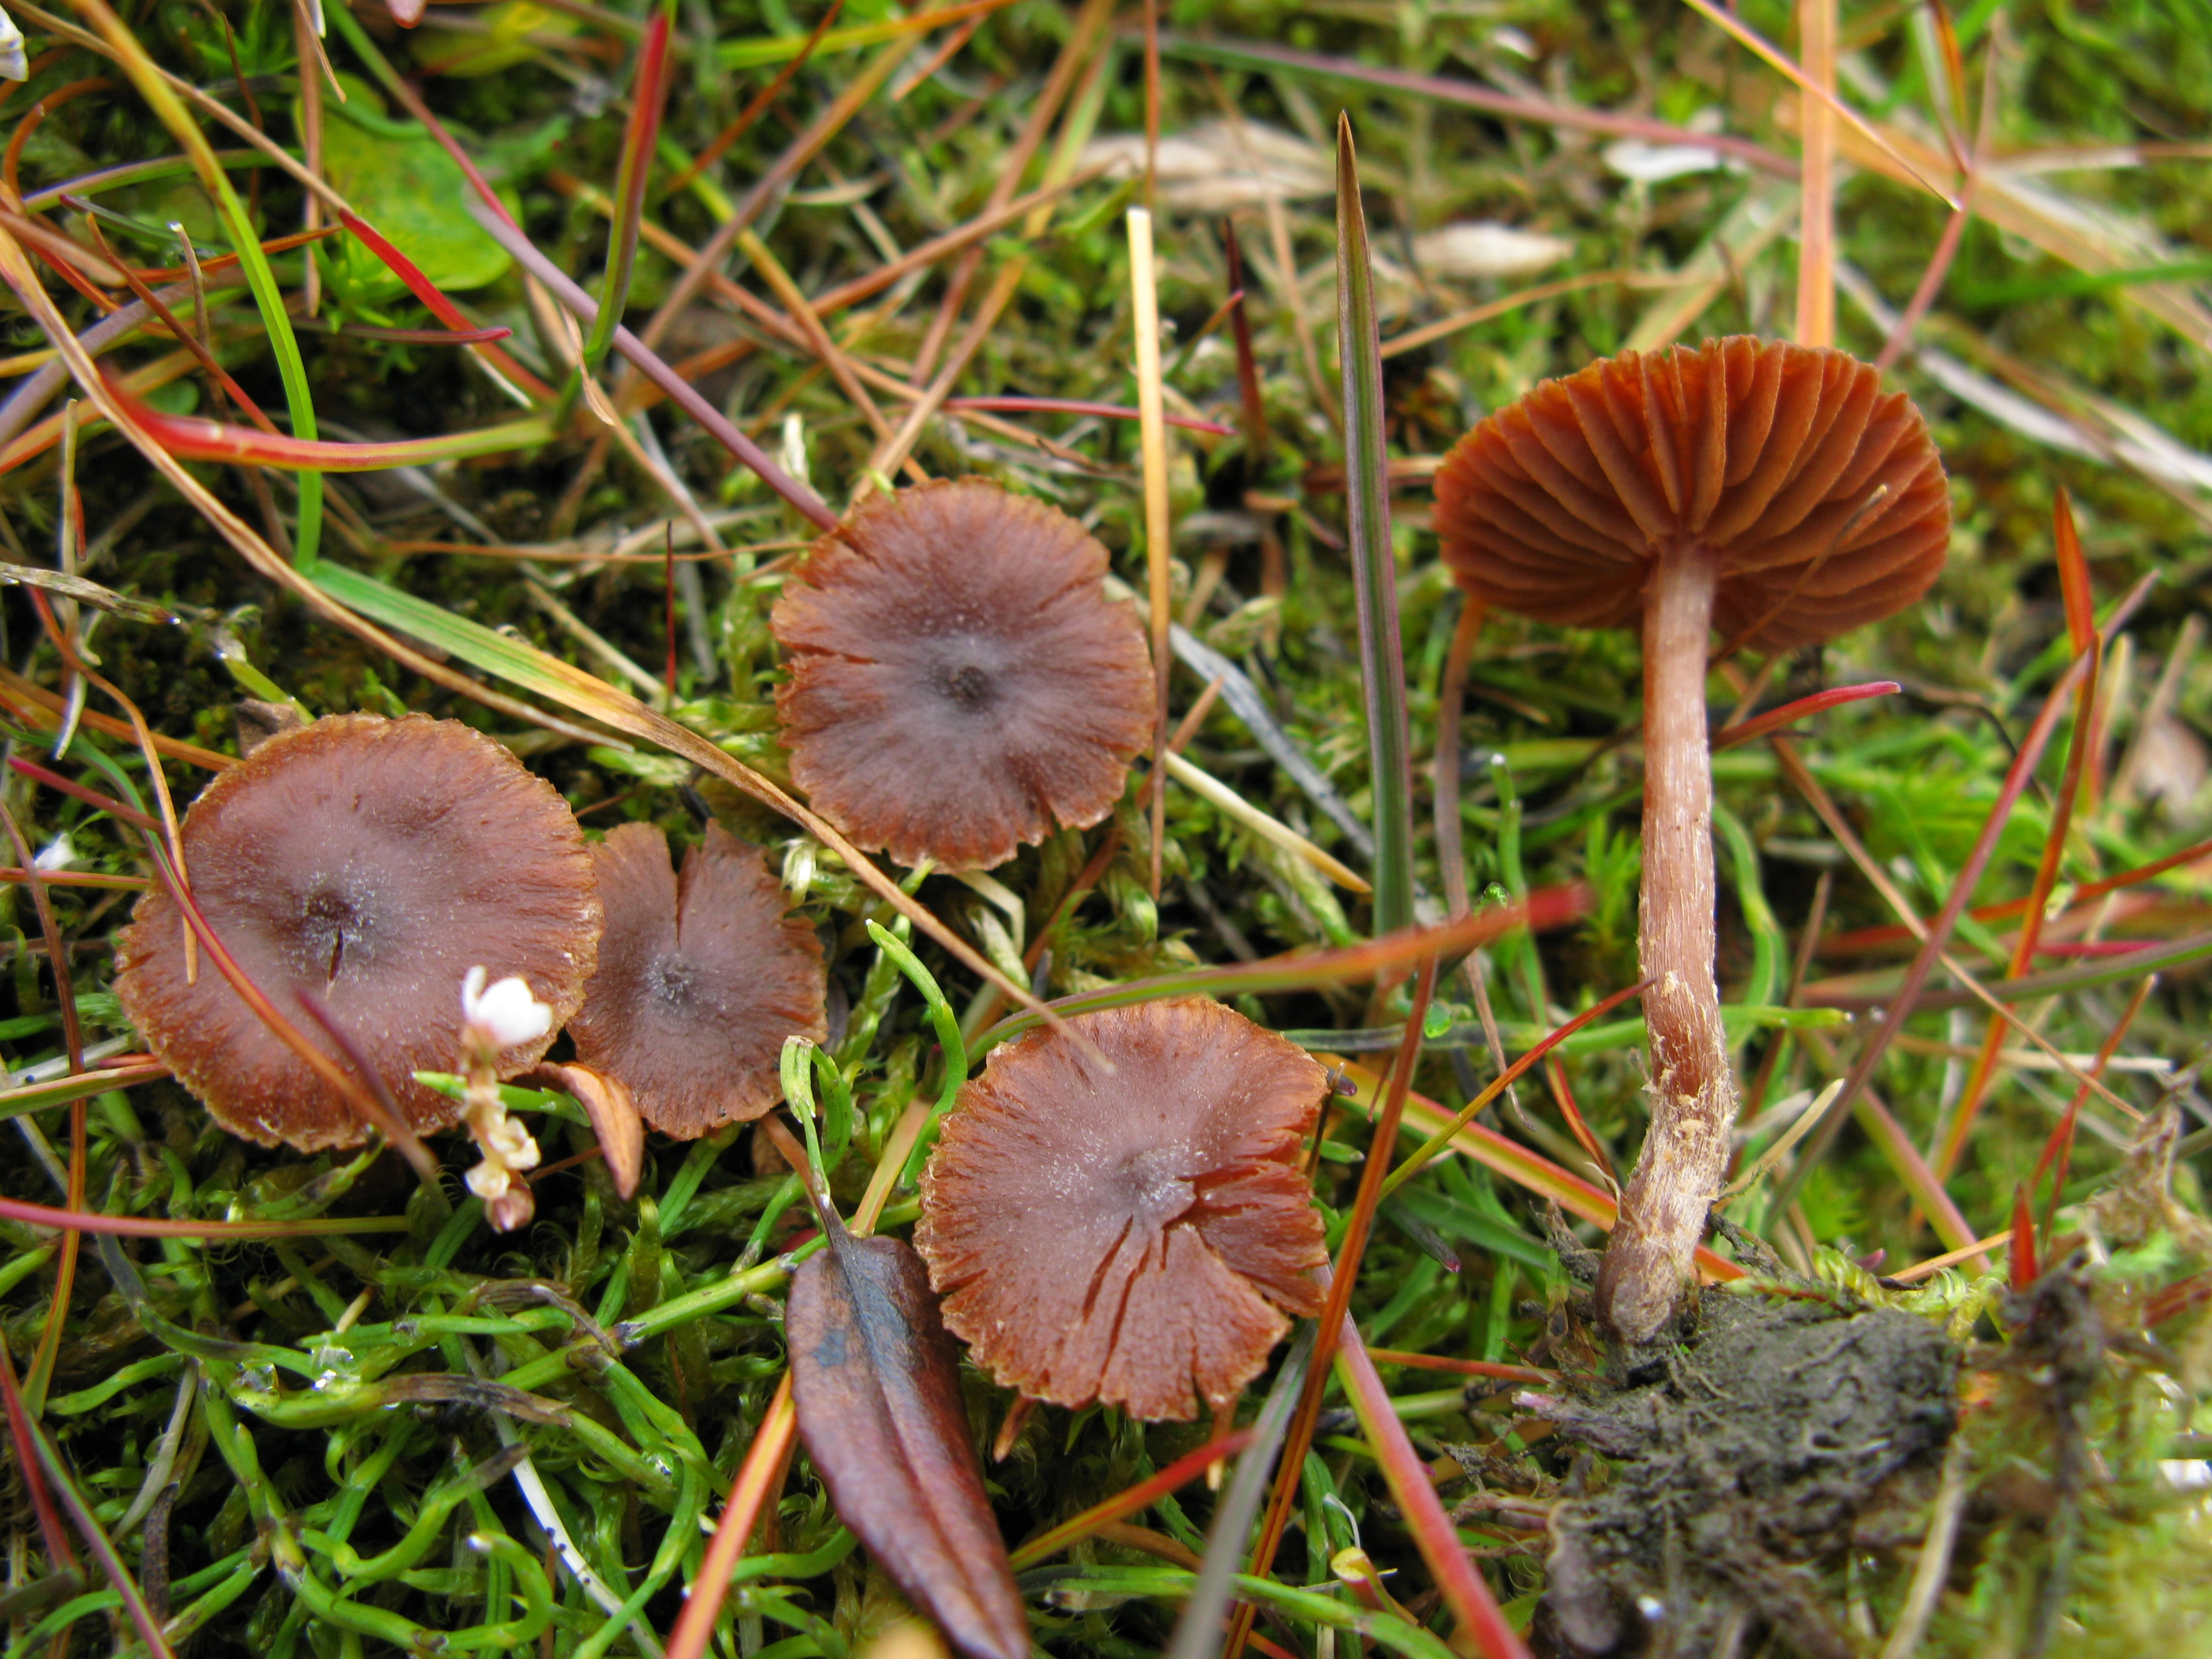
point(1124, 1236)
point(960, 684)
point(1823, 497)
point(701, 977)
point(370, 864)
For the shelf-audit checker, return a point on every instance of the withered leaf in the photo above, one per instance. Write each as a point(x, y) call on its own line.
point(877, 1384)
point(606, 1101)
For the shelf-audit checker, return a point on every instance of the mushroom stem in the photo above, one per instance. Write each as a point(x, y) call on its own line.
point(1649, 1260)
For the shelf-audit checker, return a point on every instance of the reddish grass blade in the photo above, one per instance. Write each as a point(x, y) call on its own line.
point(1079, 406)
point(647, 98)
point(428, 336)
point(140, 1226)
point(876, 1382)
point(2024, 1272)
point(1256, 436)
point(59, 1556)
point(758, 107)
point(188, 438)
point(1774, 720)
point(1592, 1148)
point(1465, 1591)
point(108, 804)
point(1546, 908)
point(1412, 1164)
point(763, 1466)
point(1470, 94)
point(2074, 576)
point(1962, 889)
point(1429, 1362)
point(1143, 1495)
point(1333, 1323)
point(1510, 1159)
point(2082, 626)
point(42, 1455)
point(435, 302)
point(2058, 1151)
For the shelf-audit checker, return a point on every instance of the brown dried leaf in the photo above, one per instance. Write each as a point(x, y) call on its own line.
point(606, 1101)
point(877, 1388)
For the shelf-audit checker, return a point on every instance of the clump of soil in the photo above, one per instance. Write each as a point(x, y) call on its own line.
point(1757, 1451)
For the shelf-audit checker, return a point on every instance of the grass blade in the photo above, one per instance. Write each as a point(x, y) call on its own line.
point(647, 97)
point(1374, 572)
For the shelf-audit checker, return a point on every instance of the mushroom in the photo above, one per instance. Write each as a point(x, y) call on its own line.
point(369, 864)
point(1121, 1236)
point(959, 682)
point(1770, 491)
point(701, 979)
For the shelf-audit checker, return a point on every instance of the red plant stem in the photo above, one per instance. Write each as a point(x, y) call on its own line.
point(1429, 1362)
point(1248, 371)
point(1081, 406)
point(1465, 1591)
point(1864, 938)
point(1648, 1261)
point(1340, 1281)
point(1143, 1495)
point(1790, 713)
point(753, 111)
point(1962, 888)
point(2059, 1149)
point(92, 798)
point(2046, 877)
point(434, 302)
point(139, 1226)
point(764, 1462)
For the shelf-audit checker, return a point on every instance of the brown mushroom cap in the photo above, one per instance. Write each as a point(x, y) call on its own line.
point(369, 863)
point(959, 682)
point(701, 979)
point(1120, 1237)
point(1771, 455)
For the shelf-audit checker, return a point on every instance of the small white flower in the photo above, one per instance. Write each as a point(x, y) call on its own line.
point(507, 1013)
point(56, 854)
point(488, 1181)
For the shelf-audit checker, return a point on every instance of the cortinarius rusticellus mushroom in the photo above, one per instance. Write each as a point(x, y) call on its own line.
point(1122, 1236)
point(700, 978)
point(371, 864)
point(960, 684)
point(1768, 491)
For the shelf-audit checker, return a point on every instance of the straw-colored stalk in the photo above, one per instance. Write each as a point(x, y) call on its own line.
point(1153, 429)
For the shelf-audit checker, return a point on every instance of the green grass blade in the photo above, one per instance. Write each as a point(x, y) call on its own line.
point(1374, 573)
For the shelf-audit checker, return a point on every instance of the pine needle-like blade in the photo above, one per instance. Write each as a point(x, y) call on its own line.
point(1374, 573)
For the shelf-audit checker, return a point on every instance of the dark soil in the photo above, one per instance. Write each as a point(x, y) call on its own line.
point(1762, 1446)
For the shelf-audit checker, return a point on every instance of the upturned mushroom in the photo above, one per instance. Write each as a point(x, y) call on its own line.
point(960, 684)
point(700, 978)
point(1128, 1235)
point(371, 865)
point(1769, 492)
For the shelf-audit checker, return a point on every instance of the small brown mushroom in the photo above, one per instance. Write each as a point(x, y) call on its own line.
point(959, 682)
point(370, 864)
point(701, 979)
point(1120, 1236)
point(1769, 491)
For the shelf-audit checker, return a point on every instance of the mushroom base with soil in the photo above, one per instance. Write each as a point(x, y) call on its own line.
point(1785, 1434)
